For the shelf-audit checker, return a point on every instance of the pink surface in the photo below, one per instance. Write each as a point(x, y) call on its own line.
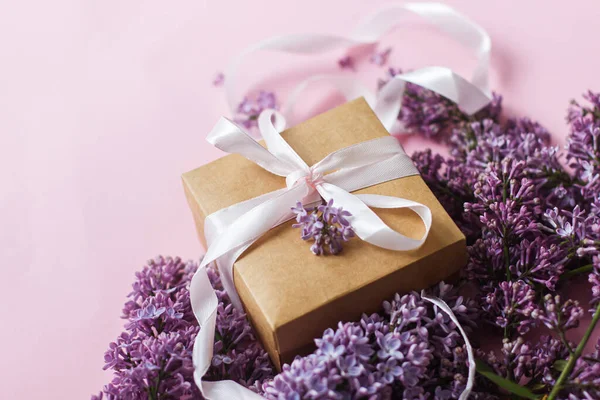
point(103, 104)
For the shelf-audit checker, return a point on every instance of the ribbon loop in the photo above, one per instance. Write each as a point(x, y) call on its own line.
point(275, 143)
point(368, 226)
point(231, 138)
point(470, 95)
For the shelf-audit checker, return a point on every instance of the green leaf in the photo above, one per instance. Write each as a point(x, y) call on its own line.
point(504, 383)
point(538, 386)
point(559, 365)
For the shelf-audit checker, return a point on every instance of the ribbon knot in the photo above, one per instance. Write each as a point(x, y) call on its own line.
point(311, 178)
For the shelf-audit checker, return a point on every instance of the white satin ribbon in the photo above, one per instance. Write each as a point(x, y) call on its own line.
point(232, 230)
point(470, 95)
point(470, 355)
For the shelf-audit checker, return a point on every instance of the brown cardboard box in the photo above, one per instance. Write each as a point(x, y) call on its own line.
point(290, 295)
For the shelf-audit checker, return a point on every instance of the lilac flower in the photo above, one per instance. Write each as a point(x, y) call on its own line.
point(583, 154)
point(520, 359)
point(578, 113)
point(576, 231)
point(380, 58)
point(153, 358)
point(326, 225)
point(389, 345)
point(513, 304)
point(594, 279)
point(390, 371)
point(527, 220)
point(250, 108)
point(538, 262)
point(585, 378)
point(559, 316)
point(430, 114)
point(346, 62)
point(376, 357)
point(219, 79)
point(331, 352)
point(349, 366)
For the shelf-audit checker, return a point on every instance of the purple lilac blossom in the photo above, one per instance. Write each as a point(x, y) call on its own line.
point(327, 225)
point(380, 58)
point(408, 349)
point(594, 279)
point(520, 359)
point(529, 221)
point(583, 151)
point(584, 382)
point(346, 62)
point(559, 316)
point(152, 359)
point(251, 107)
point(219, 79)
point(431, 114)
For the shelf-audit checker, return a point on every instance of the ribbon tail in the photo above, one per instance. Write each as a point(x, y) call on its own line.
point(204, 303)
point(471, 357)
point(469, 95)
point(254, 223)
point(368, 226)
point(226, 248)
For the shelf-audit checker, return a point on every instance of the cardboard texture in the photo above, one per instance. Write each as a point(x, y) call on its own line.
point(292, 296)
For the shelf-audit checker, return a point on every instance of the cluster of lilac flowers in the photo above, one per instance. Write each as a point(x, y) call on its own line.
point(531, 224)
point(379, 58)
point(411, 350)
point(411, 347)
point(327, 225)
point(251, 107)
point(429, 114)
point(152, 359)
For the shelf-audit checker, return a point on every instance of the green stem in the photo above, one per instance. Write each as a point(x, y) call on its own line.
point(152, 395)
point(564, 340)
point(573, 358)
point(577, 271)
point(506, 259)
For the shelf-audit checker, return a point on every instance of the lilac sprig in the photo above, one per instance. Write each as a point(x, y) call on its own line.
point(380, 58)
point(412, 349)
point(430, 114)
point(251, 107)
point(532, 224)
point(327, 225)
point(152, 359)
point(520, 360)
point(347, 62)
point(557, 315)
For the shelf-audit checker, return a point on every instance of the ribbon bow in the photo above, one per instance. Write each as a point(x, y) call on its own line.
point(355, 167)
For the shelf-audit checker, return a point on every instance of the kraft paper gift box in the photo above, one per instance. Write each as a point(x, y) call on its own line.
point(290, 295)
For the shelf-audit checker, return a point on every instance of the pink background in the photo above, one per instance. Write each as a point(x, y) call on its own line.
point(103, 104)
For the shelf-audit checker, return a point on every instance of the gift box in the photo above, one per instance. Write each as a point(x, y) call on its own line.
point(290, 295)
